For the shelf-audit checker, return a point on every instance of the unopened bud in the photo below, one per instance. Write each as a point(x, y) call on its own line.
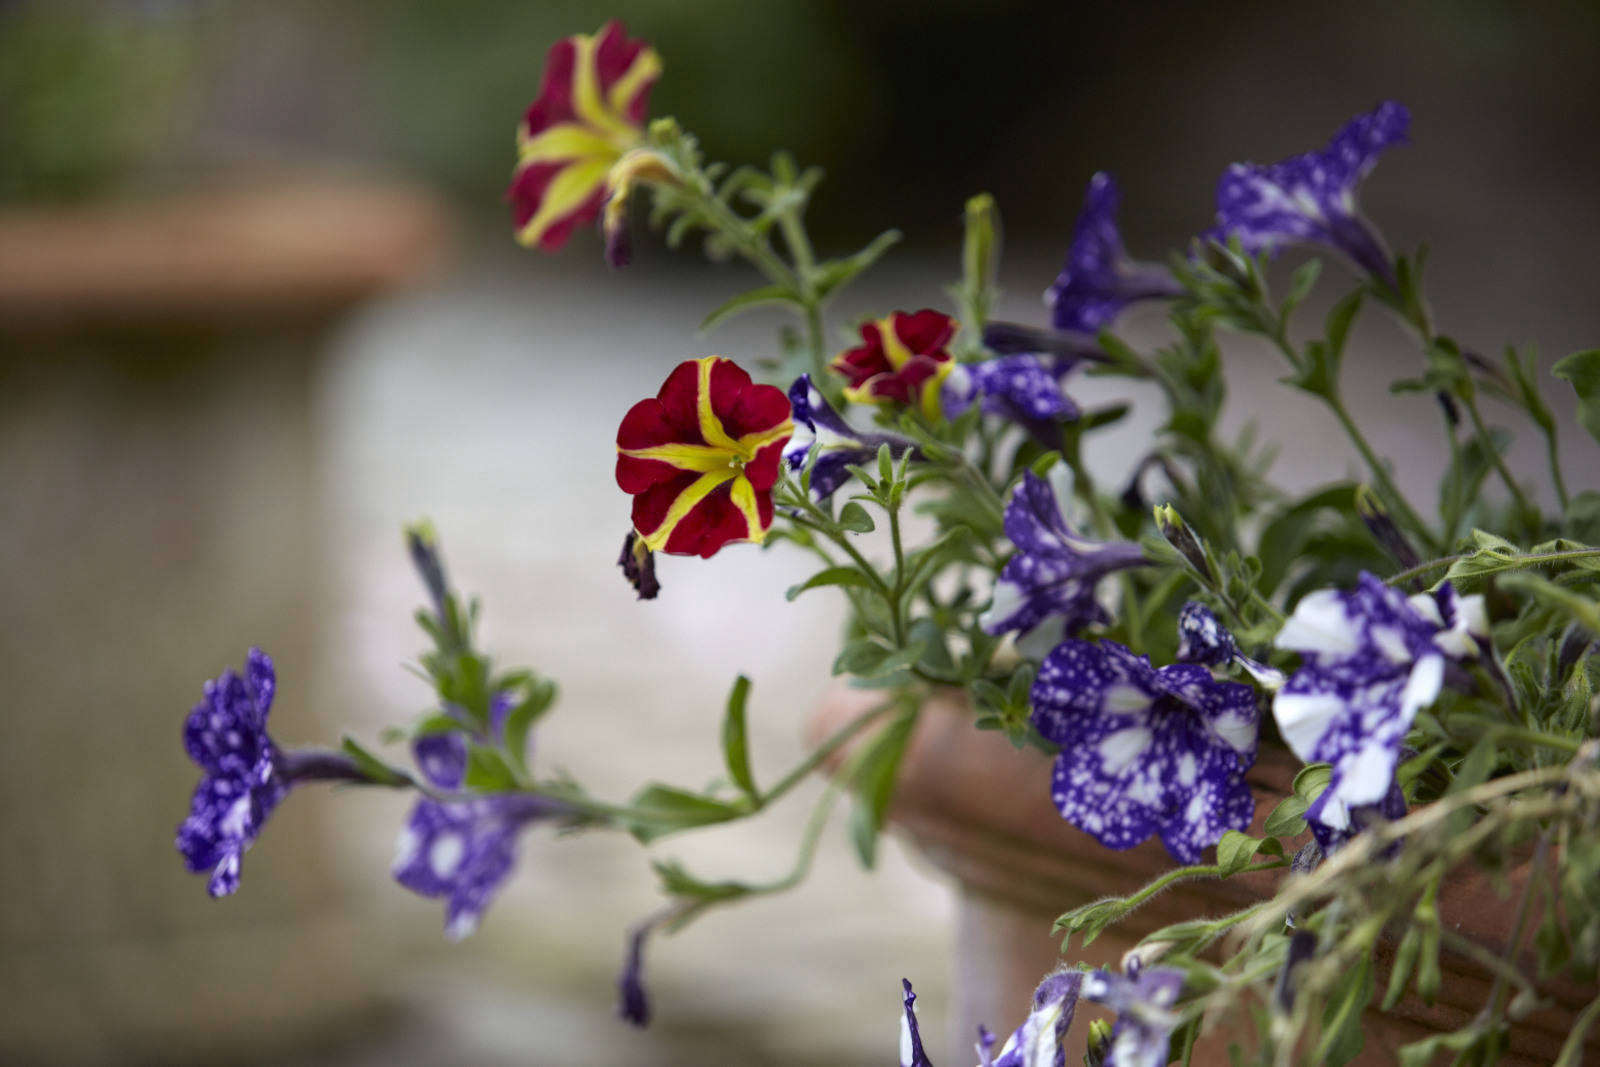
point(1384, 531)
point(1179, 536)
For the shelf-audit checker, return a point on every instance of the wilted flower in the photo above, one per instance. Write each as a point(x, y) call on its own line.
point(1053, 574)
point(1025, 389)
point(1146, 751)
point(1372, 660)
point(636, 165)
point(590, 110)
point(911, 1053)
point(902, 359)
point(638, 565)
point(1202, 639)
point(1098, 279)
point(246, 776)
point(839, 445)
point(701, 456)
point(1310, 198)
point(1039, 1039)
point(1143, 1001)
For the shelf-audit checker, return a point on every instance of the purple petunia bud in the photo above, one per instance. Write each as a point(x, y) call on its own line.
point(638, 565)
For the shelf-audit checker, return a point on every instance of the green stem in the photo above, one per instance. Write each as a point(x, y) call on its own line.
point(895, 612)
point(834, 742)
point(805, 269)
point(1520, 563)
point(1380, 471)
point(1525, 510)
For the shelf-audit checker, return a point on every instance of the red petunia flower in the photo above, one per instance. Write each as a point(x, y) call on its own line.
point(591, 109)
point(902, 360)
point(701, 456)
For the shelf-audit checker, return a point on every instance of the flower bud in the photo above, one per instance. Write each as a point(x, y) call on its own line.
point(1179, 536)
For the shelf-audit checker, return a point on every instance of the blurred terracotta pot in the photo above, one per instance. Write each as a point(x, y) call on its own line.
point(979, 809)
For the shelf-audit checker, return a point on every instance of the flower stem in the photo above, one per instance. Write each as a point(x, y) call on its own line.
point(1380, 471)
point(1519, 563)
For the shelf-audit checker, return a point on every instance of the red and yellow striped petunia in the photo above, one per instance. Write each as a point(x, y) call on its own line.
point(700, 458)
point(902, 360)
point(591, 109)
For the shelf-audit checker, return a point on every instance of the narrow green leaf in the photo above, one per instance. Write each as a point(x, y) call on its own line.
point(874, 785)
point(841, 575)
point(837, 272)
point(376, 771)
point(660, 810)
point(765, 296)
point(735, 742)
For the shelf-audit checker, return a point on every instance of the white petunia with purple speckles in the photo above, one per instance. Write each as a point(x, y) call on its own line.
point(1146, 751)
point(1040, 1040)
point(1310, 198)
point(1371, 660)
point(1052, 576)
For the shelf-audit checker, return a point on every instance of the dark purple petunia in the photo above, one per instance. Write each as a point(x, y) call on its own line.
point(1024, 389)
point(226, 736)
point(1310, 198)
point(1202, 639)
point(839, 445)
point(246, 776)
point(1098, 278)
point(1052, 576)
point(1146, 751)
point(1143, 1000)
point(1371, 659)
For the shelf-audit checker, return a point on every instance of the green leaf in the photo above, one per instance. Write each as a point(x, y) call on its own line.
point(837, 272)
point(1341, 1020)
point(735, 741)
point(1236, 850)
point(1585, 611)
point(678, 882)
point(376, 771)
point(1301, 282)
point(487, 770)
point(765, 296)
point(538, 696)
point(659, 810)
point(874, 783)
point(1582, 369)
point(854, 517)
point(841, 575)
point(1340, 319)
point(1288, 818)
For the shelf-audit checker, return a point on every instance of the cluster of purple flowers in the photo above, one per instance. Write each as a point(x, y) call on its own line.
point(1143, 999)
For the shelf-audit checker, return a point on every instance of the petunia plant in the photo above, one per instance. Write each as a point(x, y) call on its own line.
point(1155, 630)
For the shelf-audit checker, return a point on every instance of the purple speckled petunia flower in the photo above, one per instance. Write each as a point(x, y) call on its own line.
point(1143, 1001)
point(839, 445)
point(1310, 198)
point(911, 1052)
point(1051, 578)
point(1024, 389)
point(1372, 658)
point(1039, 1040)
point(226, 736)
point(463, 849)
point(1202, 639)
point(246, 776)
point(1098, 278)
point(1146, 751)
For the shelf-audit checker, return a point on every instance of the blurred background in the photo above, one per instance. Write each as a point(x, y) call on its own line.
point(259, 306)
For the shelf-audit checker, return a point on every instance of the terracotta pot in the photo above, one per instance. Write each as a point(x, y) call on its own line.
point(979, 809)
